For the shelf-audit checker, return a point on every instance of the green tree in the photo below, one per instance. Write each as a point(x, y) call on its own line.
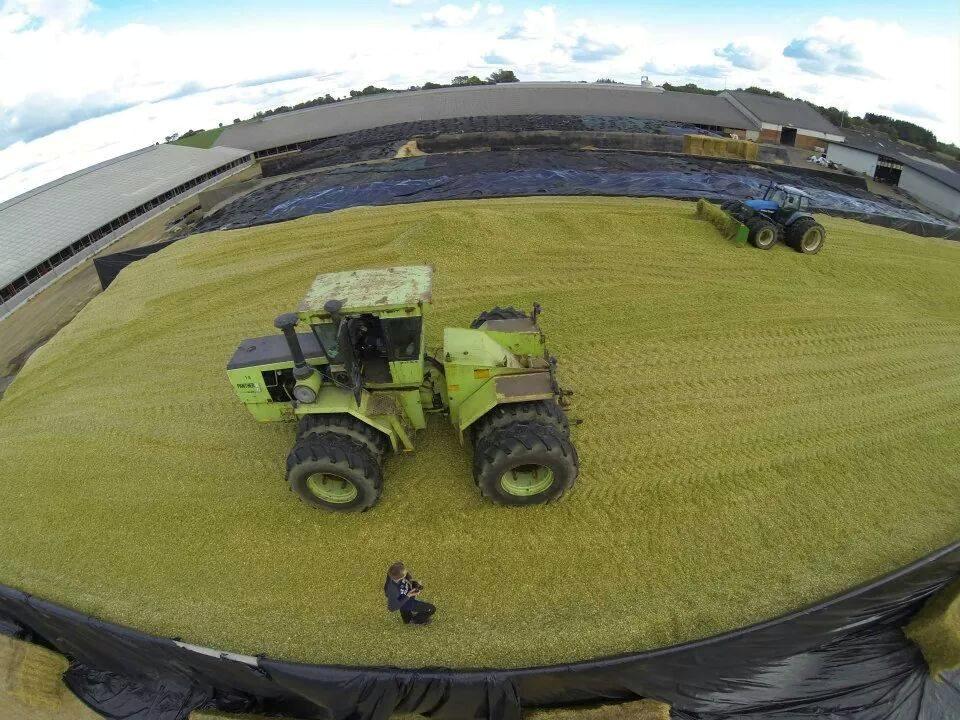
point(503, 76)
point(467, 80)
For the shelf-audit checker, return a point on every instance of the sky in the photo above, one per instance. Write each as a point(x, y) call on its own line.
point(82, 81)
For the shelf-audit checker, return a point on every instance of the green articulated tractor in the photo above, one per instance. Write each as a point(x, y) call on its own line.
point(359, 382)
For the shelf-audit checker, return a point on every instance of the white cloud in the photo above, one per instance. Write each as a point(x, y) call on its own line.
point(19, 14)
point(450, 16)
point(401, 3)
point(741, 56)
point(495, 9)
point(536, 24)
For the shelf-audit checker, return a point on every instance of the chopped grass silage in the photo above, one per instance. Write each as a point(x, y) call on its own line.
point(936, 629)
point(760, 430)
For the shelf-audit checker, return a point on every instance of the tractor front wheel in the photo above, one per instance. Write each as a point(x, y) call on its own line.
point(763, 233)
point(334, 472)
point(525, 464)
point(806, 236)
point(498, 313)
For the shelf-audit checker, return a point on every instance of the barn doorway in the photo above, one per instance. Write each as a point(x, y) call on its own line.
point(888, 170)
point(788, 136)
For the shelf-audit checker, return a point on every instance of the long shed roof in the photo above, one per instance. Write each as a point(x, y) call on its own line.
point(528, 98)
point(47, 219)
point(779, 111)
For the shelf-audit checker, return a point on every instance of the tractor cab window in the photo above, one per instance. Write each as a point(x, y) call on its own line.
point(792, 202)
point(403, 337)
point(327, 335)
point(777, 195)
point(370, 347)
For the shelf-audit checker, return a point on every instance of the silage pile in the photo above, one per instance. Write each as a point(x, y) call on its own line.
point(760, 430)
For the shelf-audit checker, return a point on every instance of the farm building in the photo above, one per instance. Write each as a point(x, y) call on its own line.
point(287, 131)
point(47, 231)
point(785, 122)
point(928, 178)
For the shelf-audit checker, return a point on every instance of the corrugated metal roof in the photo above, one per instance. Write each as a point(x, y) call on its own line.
point(43, 221)
point(917, 158)
point(778, 111)
point(532, 98)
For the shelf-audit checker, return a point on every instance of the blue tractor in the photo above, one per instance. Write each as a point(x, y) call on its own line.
point(780, 215)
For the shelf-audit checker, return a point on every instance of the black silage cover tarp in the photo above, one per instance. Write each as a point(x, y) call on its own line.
point(109, 266)
point(844, 658)
point(539, 172)
point(557, 172)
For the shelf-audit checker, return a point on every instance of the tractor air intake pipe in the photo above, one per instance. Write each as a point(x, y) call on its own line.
point(287, 323)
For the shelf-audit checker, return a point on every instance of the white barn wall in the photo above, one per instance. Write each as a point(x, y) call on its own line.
point(932, 193)
point(859, 160)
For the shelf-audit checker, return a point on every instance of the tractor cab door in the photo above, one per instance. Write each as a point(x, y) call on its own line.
point(791, 204)
point(369, 349)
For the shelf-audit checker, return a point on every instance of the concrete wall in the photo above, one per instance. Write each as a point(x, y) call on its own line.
point(932, 193)
point(852, 158)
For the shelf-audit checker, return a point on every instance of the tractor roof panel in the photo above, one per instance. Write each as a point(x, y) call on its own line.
point(794, 190)
point(371, 289)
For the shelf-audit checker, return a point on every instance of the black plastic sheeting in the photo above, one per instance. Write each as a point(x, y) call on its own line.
point(109, 266)
point(555, 172)
point(843, 658)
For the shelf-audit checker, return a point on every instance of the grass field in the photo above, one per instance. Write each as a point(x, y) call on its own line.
point(203, 140)
point(760, 430)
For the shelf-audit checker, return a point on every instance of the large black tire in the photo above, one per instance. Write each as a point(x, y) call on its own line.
point(546, 412)
point(334, 472)
point(806, 236)
point(525, 464)
point(348, 425)
point(763, 233)
point(498, 313)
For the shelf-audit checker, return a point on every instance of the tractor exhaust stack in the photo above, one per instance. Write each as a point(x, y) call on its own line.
point(287, 323)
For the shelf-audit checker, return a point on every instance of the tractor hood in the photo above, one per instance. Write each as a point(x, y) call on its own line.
point(762, 205)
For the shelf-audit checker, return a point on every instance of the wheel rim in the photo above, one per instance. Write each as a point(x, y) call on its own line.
point(332, 488)
point(765, 237)
point(811, 239)
point(526, 480)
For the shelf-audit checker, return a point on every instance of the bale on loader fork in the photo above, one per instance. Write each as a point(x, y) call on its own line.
point(360, 384)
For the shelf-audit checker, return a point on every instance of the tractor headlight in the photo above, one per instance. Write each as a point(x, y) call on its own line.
point(304, 393)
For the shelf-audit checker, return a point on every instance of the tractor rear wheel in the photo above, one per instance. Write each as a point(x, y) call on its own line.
point(806, 236)
point(498, 313)
point(546, 412)
point(334, 472)
point(525, 464)
point(763, 233)
point(344, 424)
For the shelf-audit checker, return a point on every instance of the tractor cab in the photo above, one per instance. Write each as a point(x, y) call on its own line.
point(788, 197)
point(370, 323)
point(782, 199)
